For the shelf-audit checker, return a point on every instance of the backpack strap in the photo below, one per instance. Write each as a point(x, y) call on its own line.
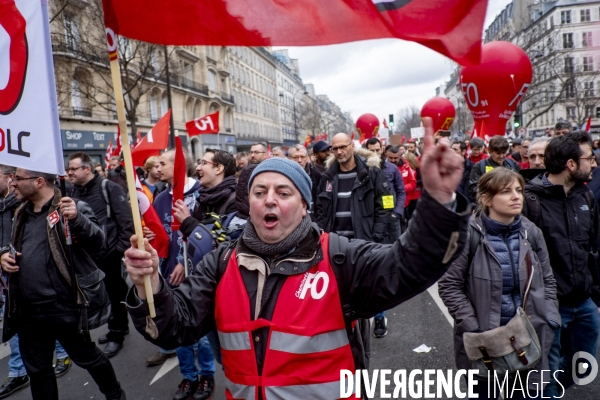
point(230, 199)
point(532, 202)
point(475, 238)
point(105, 197)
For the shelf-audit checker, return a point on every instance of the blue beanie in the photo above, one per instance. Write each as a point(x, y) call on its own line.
point(291, 170)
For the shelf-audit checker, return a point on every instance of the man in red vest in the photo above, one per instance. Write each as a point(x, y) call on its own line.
point(285, 294)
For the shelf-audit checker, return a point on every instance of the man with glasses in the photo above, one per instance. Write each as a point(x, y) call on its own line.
point(299, 154)
point(45, 305)
point(321, 150)
point(256, 155)
point(109, 203)
point(564, 208)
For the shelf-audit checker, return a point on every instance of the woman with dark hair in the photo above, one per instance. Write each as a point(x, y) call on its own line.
point(485, 286)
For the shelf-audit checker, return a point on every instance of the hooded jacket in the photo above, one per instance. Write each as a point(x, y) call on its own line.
point(473, 293)
point(367, 205)
point(570, 229)
point(371, 277)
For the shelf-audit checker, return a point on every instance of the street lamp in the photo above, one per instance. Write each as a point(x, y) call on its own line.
point(294, 105)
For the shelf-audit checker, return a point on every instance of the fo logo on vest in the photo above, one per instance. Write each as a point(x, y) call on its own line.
point(311, 281)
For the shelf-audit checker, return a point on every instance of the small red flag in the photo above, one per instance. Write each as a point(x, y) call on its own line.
point(152, 221)
point(179, 180)
point(588, 126)
point(156, 139)
point(138, 139)
point(385, 124)
point(269, 154)
point(207, 124)
point(109, 151)
point(117, 150)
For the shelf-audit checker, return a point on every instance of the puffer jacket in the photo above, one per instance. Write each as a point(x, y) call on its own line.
point(8, 205)
point(372, 277)
point(505, 243)
point(473, 293)
point(88, 239)
point(370, 186)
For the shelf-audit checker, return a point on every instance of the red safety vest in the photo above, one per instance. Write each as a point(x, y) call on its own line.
point(307, 345)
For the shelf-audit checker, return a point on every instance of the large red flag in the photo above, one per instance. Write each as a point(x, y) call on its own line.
point(179, 179)
point(207, 124)
point(450, 27)
point(156, 140)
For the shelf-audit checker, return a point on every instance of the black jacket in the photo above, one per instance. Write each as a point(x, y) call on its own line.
point(463, 188)
point(367, 204)
point(315, 178)
point(8, 206)
point(119, 227)
point(241, 192)
point(372, 277)
point(80, 276)
point(476, 172)
point(570, 229)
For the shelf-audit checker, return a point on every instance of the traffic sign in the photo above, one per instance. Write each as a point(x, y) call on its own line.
point(522, 131)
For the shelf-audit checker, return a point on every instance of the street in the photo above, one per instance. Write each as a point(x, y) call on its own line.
point(416, 322)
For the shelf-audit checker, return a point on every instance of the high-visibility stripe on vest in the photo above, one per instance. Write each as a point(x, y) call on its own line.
point(307, 342)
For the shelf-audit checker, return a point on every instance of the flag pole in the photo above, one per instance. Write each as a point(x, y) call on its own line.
point(135, 208)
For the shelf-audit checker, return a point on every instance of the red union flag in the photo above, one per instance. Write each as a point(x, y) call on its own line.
point(450, 27)
point(156, 139)
point(207, 124)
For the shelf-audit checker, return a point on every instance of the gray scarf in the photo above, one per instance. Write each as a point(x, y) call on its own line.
point(252, 240)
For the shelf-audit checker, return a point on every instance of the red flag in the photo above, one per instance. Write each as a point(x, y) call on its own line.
point(179, 179)
point(207, 124)
point(450, 27)
point(588, 126)
point(109, 151)
point(151, 221)
point(138, 139)
point(307, 141)
point(352, 138)
point(385, 124)
point(269, 154)
point(117, 151)
point(156, 139)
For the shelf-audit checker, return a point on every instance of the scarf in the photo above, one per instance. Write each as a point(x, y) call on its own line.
point(254, 243)
point(217, 194)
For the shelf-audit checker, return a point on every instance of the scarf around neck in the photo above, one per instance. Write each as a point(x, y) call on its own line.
point(255, 244)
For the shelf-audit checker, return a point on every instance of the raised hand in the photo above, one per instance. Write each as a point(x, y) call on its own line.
point(441, 167)
point(140, 263)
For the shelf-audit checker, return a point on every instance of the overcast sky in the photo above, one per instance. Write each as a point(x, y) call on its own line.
point(378, 76)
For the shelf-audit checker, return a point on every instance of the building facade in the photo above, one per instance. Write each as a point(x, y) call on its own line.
point(291, 92)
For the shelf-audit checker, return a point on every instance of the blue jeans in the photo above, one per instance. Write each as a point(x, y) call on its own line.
point(15, 363)
point(579, 332)
point(380, 315)
point(187, 364)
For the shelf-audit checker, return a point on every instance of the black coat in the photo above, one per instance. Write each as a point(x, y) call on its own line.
point(463, 188)
point(373, 277)
point(119, 228)
point(367, 204)
point(8, 206)
point(241, 192)
point(571, 232)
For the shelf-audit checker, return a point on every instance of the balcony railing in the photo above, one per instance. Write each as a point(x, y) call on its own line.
point(226, 97)
point(69, 45)
point(84, 112)
point(193, 85)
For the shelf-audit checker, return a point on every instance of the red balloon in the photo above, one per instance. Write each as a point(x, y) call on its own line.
point(493, 88)
point(441, 111)
point(367, 125)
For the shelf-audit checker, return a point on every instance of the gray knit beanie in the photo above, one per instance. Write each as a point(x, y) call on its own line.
point(291, 170)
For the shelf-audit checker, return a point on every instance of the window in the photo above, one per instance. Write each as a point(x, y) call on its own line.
point(588, 89)
point(586, 39)
point(72, 37)
point(585, 16)
point(76, 97)
point(589, 111)
point(565, 17)
point(569, 90)
point(212, 80)
point(588, 64)
point(188, 71)
point(568, 64)
point(567, 40)
point(570, 112)
point(154, 107)
point(597, 112)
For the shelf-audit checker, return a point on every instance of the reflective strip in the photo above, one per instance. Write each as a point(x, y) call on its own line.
point(317, 391)
point(240, 391)
point(297, 344)
point(344, 195)
point(235, 341)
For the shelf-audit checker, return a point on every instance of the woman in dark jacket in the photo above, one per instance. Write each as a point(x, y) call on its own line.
point(486, 294)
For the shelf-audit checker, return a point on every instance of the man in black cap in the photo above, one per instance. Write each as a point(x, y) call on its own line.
point(321, 151)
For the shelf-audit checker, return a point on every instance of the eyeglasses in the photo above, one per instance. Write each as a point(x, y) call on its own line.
point(591, 158)
point(342, 148)
point(20, 178)
point(204, 162)
point(256, 152)
point(73, 169)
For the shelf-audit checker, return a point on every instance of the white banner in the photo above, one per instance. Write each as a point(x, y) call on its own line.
point(29, 125)
point(417, 133)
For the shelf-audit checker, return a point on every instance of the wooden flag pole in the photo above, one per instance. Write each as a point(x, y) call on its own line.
point(111, 38)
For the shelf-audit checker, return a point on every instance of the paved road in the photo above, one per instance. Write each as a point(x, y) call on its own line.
point(418, 321)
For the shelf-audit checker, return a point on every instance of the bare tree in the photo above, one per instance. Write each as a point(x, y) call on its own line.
point(82, 68)
point(407, 118)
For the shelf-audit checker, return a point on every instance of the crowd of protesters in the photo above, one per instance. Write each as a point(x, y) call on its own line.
point(365, 195)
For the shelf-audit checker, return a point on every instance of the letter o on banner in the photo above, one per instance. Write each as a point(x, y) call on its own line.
point(111, 40)
point(314, 292)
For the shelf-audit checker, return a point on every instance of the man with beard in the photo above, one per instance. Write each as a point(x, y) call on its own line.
point(321, 150)
point(563, 207)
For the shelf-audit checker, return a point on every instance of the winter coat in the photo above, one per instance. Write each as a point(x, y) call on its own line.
point(367, 205)
point(117, 229)
point(397, 186)
point(473, 293)
point(371, 277)
point(241, 192)
point(409, 178)
point(571, 232)
point(88, 239)
point(163, 204)
point(315, 178)
point(8, 205)
point(463, 188)
point(488, 163)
